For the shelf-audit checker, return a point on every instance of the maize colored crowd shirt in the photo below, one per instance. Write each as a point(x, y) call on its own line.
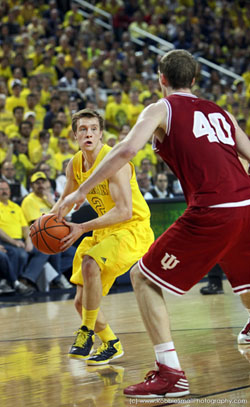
point(12, 220)
point(33, 207)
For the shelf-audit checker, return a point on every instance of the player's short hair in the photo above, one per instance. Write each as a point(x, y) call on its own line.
point(89, 113)
point(179, 67)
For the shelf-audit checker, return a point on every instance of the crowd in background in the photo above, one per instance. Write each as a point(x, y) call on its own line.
point(54, 61)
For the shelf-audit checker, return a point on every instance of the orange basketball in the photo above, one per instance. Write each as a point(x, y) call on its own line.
point(46, 233)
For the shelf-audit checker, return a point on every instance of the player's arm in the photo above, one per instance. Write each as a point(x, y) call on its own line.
point(70, 186)
point(120, 191)
point(242, 141)
point(152, 117)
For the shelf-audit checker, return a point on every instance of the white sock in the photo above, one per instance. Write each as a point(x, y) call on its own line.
point(166, 355)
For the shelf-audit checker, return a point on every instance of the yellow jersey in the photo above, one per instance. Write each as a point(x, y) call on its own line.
point(99, 197)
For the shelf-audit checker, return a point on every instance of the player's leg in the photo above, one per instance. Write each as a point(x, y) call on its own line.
point(90, 301)
point(169, 380)
point(110, 348)
point(244, 335)
point(94, 319)
point(152, 307)
point(101, 322)
point(235, 264)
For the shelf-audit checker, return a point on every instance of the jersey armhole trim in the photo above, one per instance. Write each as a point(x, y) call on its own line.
point(169, 116)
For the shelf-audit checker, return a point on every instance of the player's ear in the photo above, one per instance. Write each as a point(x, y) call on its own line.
point(193, 82)
point(163, 79)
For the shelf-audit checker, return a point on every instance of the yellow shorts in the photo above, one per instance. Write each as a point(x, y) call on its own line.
point(114, 250)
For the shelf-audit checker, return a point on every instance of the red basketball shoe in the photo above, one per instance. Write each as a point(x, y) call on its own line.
point(165, 382)
point(244, 335)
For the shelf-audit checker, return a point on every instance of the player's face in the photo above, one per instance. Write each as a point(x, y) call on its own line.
point(88, 133)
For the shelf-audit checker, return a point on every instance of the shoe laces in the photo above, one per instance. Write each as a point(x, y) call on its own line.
point(246, 329)
point(101, 349)
point(81, 337)
point(151, 375)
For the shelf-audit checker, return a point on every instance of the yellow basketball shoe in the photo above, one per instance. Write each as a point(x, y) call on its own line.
point(106, 352)
point(83, 344)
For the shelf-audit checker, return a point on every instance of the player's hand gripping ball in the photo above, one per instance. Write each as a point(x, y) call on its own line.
point(46, 233)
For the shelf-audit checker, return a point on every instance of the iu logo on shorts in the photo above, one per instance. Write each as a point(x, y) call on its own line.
point(169, 261)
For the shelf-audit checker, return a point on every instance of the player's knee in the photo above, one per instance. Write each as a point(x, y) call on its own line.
point(136, 277)
point(90, 268)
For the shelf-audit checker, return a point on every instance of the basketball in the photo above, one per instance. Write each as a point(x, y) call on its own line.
point(46, 233)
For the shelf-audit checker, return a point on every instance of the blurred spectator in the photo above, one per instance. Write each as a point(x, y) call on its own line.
point(31, 86)
point(14, 237)
point(46, 168)
point(177, 189)
point(111, 139)
point(16, 99)
point(47, 68)
point(55, 106)
point(62, 117)
point(56, 131)
point(18, 112)
point(147, 168)
point(46, 88)
point(94, 92)
point(116, 114)
point(6, 276)
point(144, 182)
point(39, 149)
point(74, 146)
point(62, 154)
point(134, 107)
point(5, 70)
point(73, 106)
point(36, 203)
point(6, 117)
point(124, 131)
point(37, 109)
point(61, 179)
point(160, 188)
point(68, 80)
point(138, 22)
point(215, 285)
point(6, 148)
point(21, 161)
point(27, 131)
point(146, 152)
point(60, 65)
point(17, 77)
point(72, 16)
point(8, 174)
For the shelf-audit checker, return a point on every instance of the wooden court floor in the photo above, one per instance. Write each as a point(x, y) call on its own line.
point(35, 370)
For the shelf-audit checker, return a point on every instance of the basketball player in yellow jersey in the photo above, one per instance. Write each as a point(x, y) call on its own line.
point(121, 235)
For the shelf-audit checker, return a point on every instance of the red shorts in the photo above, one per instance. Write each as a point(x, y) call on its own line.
point(198, 240)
